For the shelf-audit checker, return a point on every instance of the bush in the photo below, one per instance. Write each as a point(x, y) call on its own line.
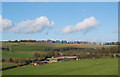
point(3, 60)
point(11, 60)
point(40, 55)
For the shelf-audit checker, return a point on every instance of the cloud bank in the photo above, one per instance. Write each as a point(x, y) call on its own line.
point(5, 24)
point(29, 26)
point(84, 25)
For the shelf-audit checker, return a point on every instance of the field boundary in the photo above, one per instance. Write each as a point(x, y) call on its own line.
point(6, 68)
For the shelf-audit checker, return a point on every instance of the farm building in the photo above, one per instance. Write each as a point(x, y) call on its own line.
point(38, 63)
point(49, 41)
point(62, 59)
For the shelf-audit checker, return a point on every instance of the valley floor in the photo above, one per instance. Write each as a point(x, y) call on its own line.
point(107, 66)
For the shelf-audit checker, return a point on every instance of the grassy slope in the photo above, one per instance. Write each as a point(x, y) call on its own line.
point(6, 64)
point(15, 55)
point(25, 50)
point(81, 67)
point(42, 46)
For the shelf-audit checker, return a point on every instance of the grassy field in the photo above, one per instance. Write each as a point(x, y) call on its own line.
point(81, 67)
point(6, 64)
point(15, 55)
point(27, 50)
point(107, 66)
point(42, 46)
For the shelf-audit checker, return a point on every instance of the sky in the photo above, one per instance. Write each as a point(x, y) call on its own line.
point(60, 0)
point(82, 21)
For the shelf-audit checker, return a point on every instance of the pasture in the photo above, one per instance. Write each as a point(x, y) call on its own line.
point(15, 55)
point(27, 50)
point(108, 66)
point(103, 66)
point(43, 46)
point(6, 64)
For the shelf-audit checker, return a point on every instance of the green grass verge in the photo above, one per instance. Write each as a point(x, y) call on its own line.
point(107, 66)
point(6, 64)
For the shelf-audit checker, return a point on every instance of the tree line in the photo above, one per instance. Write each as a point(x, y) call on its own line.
point(64, 41)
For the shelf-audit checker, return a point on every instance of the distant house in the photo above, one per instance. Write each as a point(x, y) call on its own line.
point(39, 63)
point(57, 41)
point(75, 42)
point(62, 59)
point(42, 41)
point(49, 41)
point(53, 41)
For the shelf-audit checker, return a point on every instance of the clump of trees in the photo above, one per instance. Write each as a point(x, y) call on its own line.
point(17, 41)
point(83, 54)
point(112, 43)
point(95, 52)
point(4, 49)
point(17, 60)
point(65, 42)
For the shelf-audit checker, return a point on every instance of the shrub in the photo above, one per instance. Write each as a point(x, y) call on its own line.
point(11, 60)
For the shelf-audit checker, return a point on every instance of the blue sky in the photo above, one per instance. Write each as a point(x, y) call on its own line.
point(63, 14)
point(60, 0)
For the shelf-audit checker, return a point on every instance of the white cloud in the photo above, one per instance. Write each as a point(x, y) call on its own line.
point(84, 25)
point(30, 26)
point(5, 24)
point(36, 25)
point(68, 29)
point(52, 39)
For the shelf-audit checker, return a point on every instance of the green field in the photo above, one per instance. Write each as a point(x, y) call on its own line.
point(27, 50)
point(43, 46)
point(15, 55)
point(6, 64)
point(108, 66)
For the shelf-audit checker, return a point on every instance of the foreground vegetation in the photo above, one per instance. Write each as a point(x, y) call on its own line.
point(106, 66)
